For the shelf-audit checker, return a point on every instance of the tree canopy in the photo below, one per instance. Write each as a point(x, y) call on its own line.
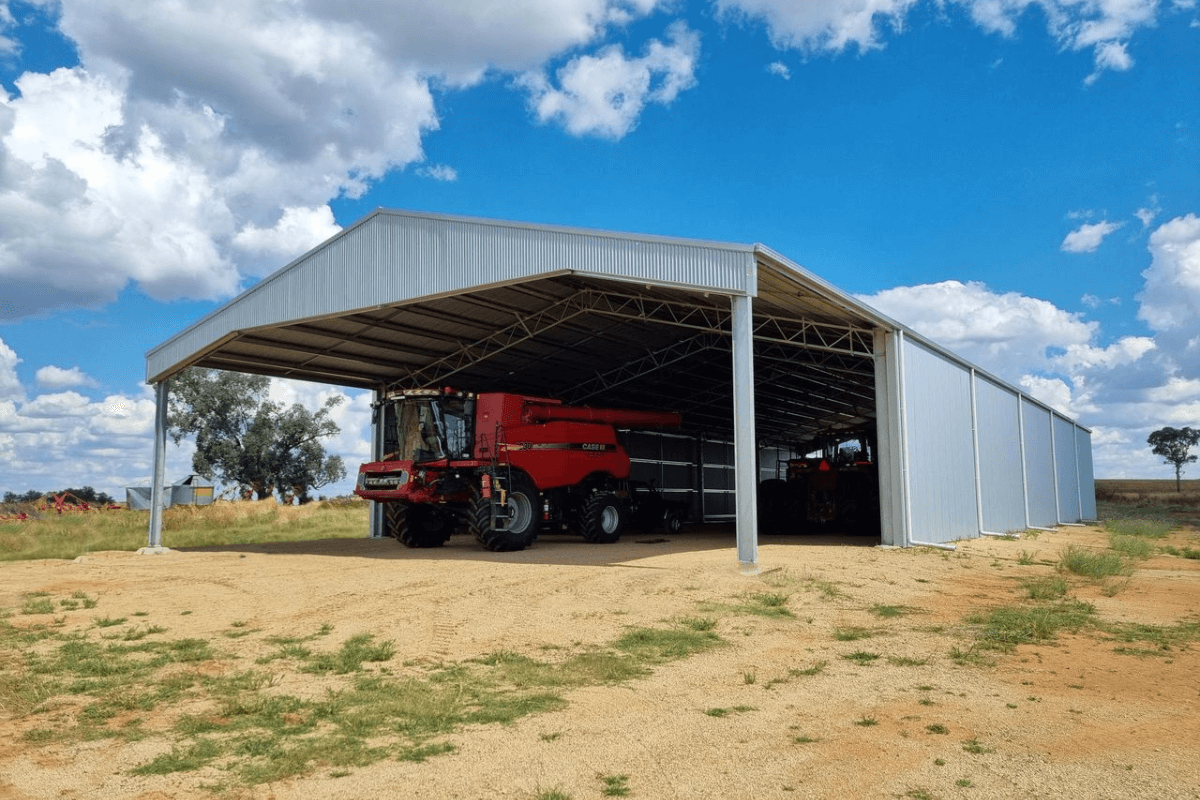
point(244, 438)
point(1173, 445)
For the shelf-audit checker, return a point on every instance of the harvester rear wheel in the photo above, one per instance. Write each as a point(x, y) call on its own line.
point(418, 525)
point(604, 518)
point(516, 522)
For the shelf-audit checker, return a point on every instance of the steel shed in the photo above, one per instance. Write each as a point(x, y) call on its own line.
point(752, 348)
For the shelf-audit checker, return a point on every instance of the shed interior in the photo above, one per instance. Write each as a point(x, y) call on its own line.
point(600, 342)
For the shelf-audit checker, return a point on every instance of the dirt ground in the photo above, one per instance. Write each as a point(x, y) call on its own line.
point(1071, 718)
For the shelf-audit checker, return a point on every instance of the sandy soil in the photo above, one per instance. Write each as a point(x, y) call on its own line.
point(1068, 719)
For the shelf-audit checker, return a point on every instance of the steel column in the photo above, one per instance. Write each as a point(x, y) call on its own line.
point(158, 468)
point(375, 520)
point(745, 447)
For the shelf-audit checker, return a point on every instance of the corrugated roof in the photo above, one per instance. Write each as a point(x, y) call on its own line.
point(589, 316)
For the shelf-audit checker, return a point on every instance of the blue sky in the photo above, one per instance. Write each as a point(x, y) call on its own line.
point(1018, 179)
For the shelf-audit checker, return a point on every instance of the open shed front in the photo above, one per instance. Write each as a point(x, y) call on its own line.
point(761, 358)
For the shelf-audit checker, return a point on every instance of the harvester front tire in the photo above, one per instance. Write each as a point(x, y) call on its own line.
point(517, 520)
point(604, 518)
point(417, 525)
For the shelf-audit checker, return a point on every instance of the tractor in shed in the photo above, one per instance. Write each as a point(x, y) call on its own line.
point(836, 490)
point(504, 467)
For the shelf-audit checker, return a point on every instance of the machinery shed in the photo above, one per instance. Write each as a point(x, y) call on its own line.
point(760, 356)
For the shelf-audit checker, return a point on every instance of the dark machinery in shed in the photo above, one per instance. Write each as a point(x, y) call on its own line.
point(836, 490)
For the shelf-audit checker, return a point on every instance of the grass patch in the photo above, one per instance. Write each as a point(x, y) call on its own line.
point(815, 668)
point(241, 722)
point(852, 633)
point(1131, 546)
point(1004, 628)
point(975, 747)
point(614, 785)
point(861, 657)
point(889, 611)
point(68, 536)
point(866, 722)
point(1163, 640)
point(350, 657)
point(1147, 528)
point(725, 712)
point(1093, 564)
point(906, 661)
point(1047, 587)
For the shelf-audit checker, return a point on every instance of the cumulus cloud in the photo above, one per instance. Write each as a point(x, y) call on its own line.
point(439, 172)
point(1170, 299)
point(605, 94)
point(1123, 389)
point(1086, 238)
point(1008, 334)
point(296, 231)
point(1053, 354)
point(10, 384)
point(198, 144)
point(53, 439)
point(1103, 26)
point(52, 377)
point(832, 25)
point(780, 69)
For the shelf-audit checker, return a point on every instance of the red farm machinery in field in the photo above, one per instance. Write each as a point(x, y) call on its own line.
point(504, 467)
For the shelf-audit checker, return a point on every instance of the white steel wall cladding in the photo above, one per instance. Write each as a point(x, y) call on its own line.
point(941, 450)
point(1067, 471)
point(1039, 465)
point(997, 414)
point(391, 257)
point(1087, 478)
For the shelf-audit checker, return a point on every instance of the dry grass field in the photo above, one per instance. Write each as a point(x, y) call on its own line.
point(1057, 664)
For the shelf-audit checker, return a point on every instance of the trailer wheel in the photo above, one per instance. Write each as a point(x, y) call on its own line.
point(516, 522)
point(604, 518)
point(672, 523)
point(418, 525)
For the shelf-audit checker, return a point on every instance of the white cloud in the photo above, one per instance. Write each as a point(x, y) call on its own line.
point(815, 25)
point(10, 384)
point(1086, 238)
point(1054, 392)
point(65, 438)
point(1148, 213)
point(1008, 334)
point(52, 377)
point(199, 142)
point(1170, 298)
point(605, 94)
point(1110, 56)
point(439, 172)
point(780, 69)
point(1104, 26)
point(296, 231)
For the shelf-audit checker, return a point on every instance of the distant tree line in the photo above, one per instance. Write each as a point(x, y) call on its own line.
point(87, 494)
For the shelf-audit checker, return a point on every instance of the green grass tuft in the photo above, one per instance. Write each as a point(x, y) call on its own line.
point(1005, 628)
point(1092, 564)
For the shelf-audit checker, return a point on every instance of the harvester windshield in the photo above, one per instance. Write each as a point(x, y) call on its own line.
point(434, 428)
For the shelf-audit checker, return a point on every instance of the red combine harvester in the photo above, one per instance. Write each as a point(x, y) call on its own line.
point(504, 466)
